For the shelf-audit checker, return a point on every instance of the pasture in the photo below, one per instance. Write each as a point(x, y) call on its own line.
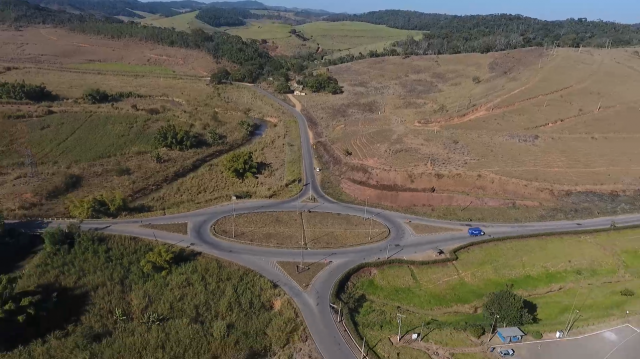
point(553, 272)
point(182, 22)
point(523, 134)
point(83, 150)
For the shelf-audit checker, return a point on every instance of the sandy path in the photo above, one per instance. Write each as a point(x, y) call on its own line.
point(298, 106)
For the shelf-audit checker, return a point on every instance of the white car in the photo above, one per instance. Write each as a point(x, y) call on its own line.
point(317, 169)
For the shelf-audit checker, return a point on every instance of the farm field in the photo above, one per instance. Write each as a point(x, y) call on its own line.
point(334, 37)
point(515, 136)
point(83, 150)
point(97, 299)
point(552, 272)
point(284, 229)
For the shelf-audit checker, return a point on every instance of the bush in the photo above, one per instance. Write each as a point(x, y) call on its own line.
point(21, 91)
point(160, 260)
point(475, 330)
point(347, 152)
point(62, 185)
point(627, 292)
point(476, 79)
point(536, 334)
point(247, 127)
point(55, 239)
point(122, 171)
point(220, 77)
point(240, 165)
point(96, 95)
point(510, 306)
point(215, 138)
point(105, 205)
point(170, 137)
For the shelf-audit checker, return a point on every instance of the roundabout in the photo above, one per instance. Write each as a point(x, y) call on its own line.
point(398, 240)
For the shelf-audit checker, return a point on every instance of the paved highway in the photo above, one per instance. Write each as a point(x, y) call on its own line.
point(314, 303)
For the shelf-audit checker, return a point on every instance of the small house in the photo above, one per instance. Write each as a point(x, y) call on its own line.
point(298, 93)
point(510, 335)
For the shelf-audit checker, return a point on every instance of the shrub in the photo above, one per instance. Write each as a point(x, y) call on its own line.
point(215, 138)
point(536, 334)
point(160, 260)
point(170, 137)
point(96, 95)
point(475, 330)
point(347, 152)
point(510, 306)
point(240, 165)
point(21, 91)
point(156, 157)
point(247, 127)
point(122, 171)
point(627, 292)
point(476, 79)
point(101, 206)
point(55, 239)
point(62, 185)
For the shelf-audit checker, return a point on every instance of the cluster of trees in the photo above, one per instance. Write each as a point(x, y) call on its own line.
point(122, 7)
point(169, 137)
point(360, 56)
point(106, 205)
point(451, 34)
point(511, 308)
point(21, 91)
point(240, 165)
point(322, 82)
point(96, 96)
point(218, 17)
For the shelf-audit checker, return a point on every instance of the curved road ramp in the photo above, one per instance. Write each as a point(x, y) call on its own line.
point(622, 342)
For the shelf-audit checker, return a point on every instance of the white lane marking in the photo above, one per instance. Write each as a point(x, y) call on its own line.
point(618, 346)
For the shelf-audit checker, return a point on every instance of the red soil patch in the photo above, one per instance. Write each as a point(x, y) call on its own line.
point(417, 199)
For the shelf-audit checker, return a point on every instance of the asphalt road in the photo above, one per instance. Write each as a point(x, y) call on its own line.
point(314, 302)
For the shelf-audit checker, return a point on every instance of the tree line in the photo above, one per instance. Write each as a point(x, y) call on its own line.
point(123, 7)
point(452, 34)
point(218, 17)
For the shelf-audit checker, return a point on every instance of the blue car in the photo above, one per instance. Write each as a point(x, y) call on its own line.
point(476, 232)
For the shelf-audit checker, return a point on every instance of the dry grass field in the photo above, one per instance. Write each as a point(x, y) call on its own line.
point(84, 150)
point(302, 276)
point(517, 135)
point(285, 229)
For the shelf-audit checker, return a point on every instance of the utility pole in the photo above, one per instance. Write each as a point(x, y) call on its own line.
point(233, 203)
point(366, 203)
point(362, 356)
point(298, 203)
point(387, 251)
point(571, 312)
point(421, 329)
point(399, 316)
point(370, 224)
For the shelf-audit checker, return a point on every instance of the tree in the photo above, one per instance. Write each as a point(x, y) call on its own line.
point(160, 260)
point(55, 239)
point(512, 308)
point(96, 95)
point(170, 137)
point(221, 76)
point(240, 165)
point(283, 88)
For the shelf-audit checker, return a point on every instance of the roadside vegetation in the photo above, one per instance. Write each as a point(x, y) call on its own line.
point(531, 283)
point(93, 295)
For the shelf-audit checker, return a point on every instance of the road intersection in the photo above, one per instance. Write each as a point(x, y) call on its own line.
point(314, 303)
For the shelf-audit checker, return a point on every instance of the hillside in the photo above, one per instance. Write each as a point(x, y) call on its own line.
point(519, 135)
point(94, 295)
point(122, 7)
point(453, 34)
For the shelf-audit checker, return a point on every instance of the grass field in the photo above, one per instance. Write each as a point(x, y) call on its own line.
point(182, 22)
point(552, 272)
point(179, 228)
point(336, 37)
point(502, 135)
point(104, 298)
point(284, 229)
point(106, 148)
point(120, 67)
point(302, 276)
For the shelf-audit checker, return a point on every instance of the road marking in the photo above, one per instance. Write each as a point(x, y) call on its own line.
point(614, 349)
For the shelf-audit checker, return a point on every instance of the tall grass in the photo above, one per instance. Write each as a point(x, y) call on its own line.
point(204, 308)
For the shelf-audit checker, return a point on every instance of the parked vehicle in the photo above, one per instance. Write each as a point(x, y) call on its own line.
point(476, 232)
point(506, 352)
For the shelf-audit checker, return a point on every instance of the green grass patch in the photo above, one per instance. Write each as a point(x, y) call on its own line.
point(84, 137)
point(120, 67)
point(108, 306)
point(182, 22)
point(552, 272)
